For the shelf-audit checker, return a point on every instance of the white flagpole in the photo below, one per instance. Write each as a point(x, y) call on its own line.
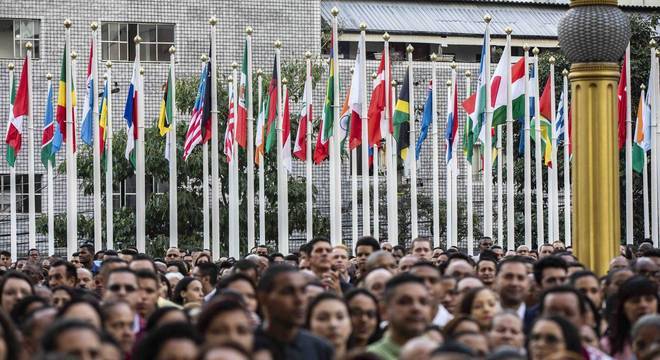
point(552, 173)
point(140, 172)
point(262, 201)
point(74, 109)
point(655, 115)
point(537, 154)
point(32, 239)
point(108, 170)
point(488, 162)
point(215, 171)
point(567, 166)
point(390, 154)
point(282, 196)
point(13, 241)
point(308, 157)
point(49, 174)
point(376, 181)
point(366, 217)
point(510, 206)
point(645, 182)
point(500, 200)
point(454, 165)
point(470, 211)
point(205, 185)
point(335, 148)
point(96, 158)
point(174, 233)
point(354, 193)
point(234, 227)
point(331, 144)
point(411, 145)
point(448, 180)
point(434, 151)
point(629, 180)
point(72, 188)
point(528, 157)
point(250, 143)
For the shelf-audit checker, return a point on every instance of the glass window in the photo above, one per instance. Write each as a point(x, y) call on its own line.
point(117, 41)
point(22, 200)
point(15, 33)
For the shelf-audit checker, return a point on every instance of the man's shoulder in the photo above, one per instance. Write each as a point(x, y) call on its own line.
point(384, 348)
point(307, 337)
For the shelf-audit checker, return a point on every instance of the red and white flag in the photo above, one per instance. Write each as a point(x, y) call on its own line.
point(230, 132)
point(355, 101)
point(286, 134)
point(300, 147)
point(378, 126)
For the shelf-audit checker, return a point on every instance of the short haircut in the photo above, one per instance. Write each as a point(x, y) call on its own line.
point(215, 308)
point(458, 255)
point(582, 304)
point(180, 265)
point(228, 280)
point(304, 248)
point(87, 246)
point(421, 239)
point(71, 270)
point(5, 253)
point(208, 269)
point(548, 262)
point(245, 265)
point(146, 274)
point(649, 320)
point(401, 279)
point(158, 314)
point(513, 259)
point(120, 271)
point(426, 264)
point(316, 240)
point(49, 339)
point(368, 241)
point(453, 347)
point(75, 254)
point(266, 283)
point(151, 344)
point(111, 252)
point(580, 274)
point(486, 259)
point(272, 256)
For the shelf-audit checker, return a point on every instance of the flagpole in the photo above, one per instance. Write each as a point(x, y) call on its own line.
point(71, 213)
point(390, 153)
point(537, 154)
point(233, 241)
point(376, 182)
point(282, 213)
point(32, 240)
point(96, 158)
point(205, 186)
point(335, 148)
point(645, 180)
point(454, 164)
point(528, 157)
point(250, 143)
point(262, 201)
point(510, 205)
point(74, 109)
point(500, 200)
point(13, 241)
point(309, 200)
point(629, 191)
point(174, 234)
point(215, 179)
point(366, 216)
point(330, 143)
point(567, 165)
point(411, 147)
point(140, 167)
point(552, 171)
point(488, 162)
point(354, 193)
point(108, 158)
point(49, 174)
point(434, 151)
point(470, 211)
point(654, 144)
point(448, 171)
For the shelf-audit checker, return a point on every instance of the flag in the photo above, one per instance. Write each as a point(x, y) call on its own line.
point(475, 107)
point(560, 120)
point(61, 102)
point(321, 151)
point(452, 123)
point(131, 113)
point(261, 127)
point(300, 147)
point(47, 154)
point(401, 119)
point(344, 121)
point(273, 104)
point(356, 94)
point(546, 126)
point(14, 126)
point(623, 104)
point(427, 119)
point(328, 114)
point(286, 134)
point(378, 128)
point(230, 130)
point(498, 90)
point(103, 123)
point(243, 100)
point(194, 133)
point(166, 106)
point(87, 131)
point(640, 140)
point(206, 118)
point(531, 90)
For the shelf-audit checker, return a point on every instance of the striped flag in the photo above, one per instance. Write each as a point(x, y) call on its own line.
point(300, 146)
point(452, 123)
point(61, 102)
point(273, 104)
point(131, 113)
point(401, 119)
point(560, 122)
point(328, 115)
point(546, 126)
point(166, 114)
point(14, 134)
point(259, 140)
point(642, 139)
point(103, 123)
point(475, 107)
point(87, 130)
point(378, 128)
point(355, 102)
point(47, 154)
point(194, 133)
point(243, 100)
point(230, 131)
point(286, 134)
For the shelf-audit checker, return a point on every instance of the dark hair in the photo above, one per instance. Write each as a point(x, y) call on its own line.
point(548, 262)
point(87, 246)
point(272, 256)
point(151, 345)
point(488, 255)
point(266, 282)
point(111, 252)
point(119, 271)
point(180, 265)
point(378, 333)
point(485, 259)
point(14, 274)
point(5, 253)
point(10, 336)
point(458, 255)
point(228, 280)
point(568, 330)
point(146, 274)
point(318, 239)
point(580, 274)
point(424, 263)
point(215, 308)
point(197, 263)
point(245, 265)
point(620, 325)
point(368, 241)
point(421, 239)
point(398, 280)
point(324, 296)
point(453, 347)
point(107, 306)
point(75, 254)
point(562, 289)
point(159, 313)
point(182, 285)
point(71, 270)
point(449, 331)
point(22, 308)
point(465, 307)
point(304, 248)
point(49, 340)
point(163, 280)
point(208, 269)
point(78, 301)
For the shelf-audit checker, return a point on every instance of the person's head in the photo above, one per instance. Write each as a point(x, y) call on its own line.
point(72, 338)
point(365, 318)
point(62, 273)
point(207, 274)
point(375, 282)
point(452, 350)
point(406, 305)
point(522, 250)
point(507, 330)
point(564, 301)
point(381, 259)
point(476, 341)
point(431, 276)
point(83, 310)
point(281, 294)
point(242, 285)
point(364, 247)
point(553, 335)
point(618, 263)
point(645, 336)
point(421, 248)
point(449, 293)
point(418, 348)
point(85, 279)
point(486, 269)
point(173, 254)
point(26, 306)
point(14, 286)
point(459, 268)
point(175, 338)
point(328, 317)
point(340, 258)
point(387, 246)
point(121, 284)
point(481, 304)
point(188, 290)
point(9, 342)
point(647, 267)
point(33, 255)
point(320, 249)
point(166, 315)
point(485, 243)
point(589, 285)
point(85, 254)
point(61, 296)
point(550, 271)
point(246, 267)
point(118, 323)
point(148, 292)
point(406, 262)
point(5, 258)
point(226, 321)
point(546, 250)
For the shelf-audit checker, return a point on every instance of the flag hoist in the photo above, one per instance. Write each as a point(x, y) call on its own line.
point(170, 111)
point(390, 146)
point(652, 98)
point(640, 147)
point(553, 235)
point(231, 147)
point(108, 160)
point(48, 159)
point(13, 140)
point(215, 171)
point(259, 157)
point(628, 118)
point(69, 138)
point(567, 162)
point(205, 159)
point(335, 142)
point(527, 155)
point(375, 168)
point(365, 132)
point(467, 141)
point(247, 91)
point(303, 144)
point(449, 164)
point(140, 165)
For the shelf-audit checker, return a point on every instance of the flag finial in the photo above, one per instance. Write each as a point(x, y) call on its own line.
point(172, 50)
point(374, 75)
point(363, 26)
point(551, 60)
point(508, 30)
point(657, 53)
point(434, 57)
point(260, 72)
point(525, 47)
point(249, 30)
point(308, 55)
point(468, 73)
point(108, 64)
point(564, 72)
point(74, 55)
point(334, 11)
point(67, 23)
point(105, 76)
point(535, 51)
point(204, 58)
point(652, 43)
point(448, 83)
point(137, 39)
point(394, 83)
point(49, 76)
point(10, 66)
point(213, 21)
point(643, 87)
point(487, 18)
point(28, 45)
point(453, 65)
point(141, 71)
point(234, 65)
point(94, 25)
point(410, 48)
point(278, 44)
point(285, 81)
point(386, 36)
point(230, 79)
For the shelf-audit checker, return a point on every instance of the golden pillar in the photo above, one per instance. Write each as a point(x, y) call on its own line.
point(594, 34)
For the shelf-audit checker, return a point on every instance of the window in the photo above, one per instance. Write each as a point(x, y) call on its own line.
point(22, 206)
point(124, 194)
point(117, 41)
point(15, 33)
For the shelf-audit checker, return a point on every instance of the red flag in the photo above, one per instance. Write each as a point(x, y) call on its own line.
point(321, 149)
point(377, 127)
point(623, 99)
point(22, 101)
point(300, 146)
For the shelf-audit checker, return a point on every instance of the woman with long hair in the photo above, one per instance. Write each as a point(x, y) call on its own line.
point(553, 336)
point(327, 317)
point(481, 304)
point(365, 317)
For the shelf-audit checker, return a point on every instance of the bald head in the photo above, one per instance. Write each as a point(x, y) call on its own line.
point(406, 262)
point(381, 259)
point(459, 269)
point(375, 282)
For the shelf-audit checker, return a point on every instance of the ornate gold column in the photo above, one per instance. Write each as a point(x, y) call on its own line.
point(594, 34)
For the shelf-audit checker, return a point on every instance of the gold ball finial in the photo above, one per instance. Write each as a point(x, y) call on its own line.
point(410, 49)
point(487, 18)
point(525, 47)
point(249, 30)
point(394, 83)
point(67, 23)
point(141, 71)
point(657, 52)
point(535, 51)
point(363, 26)
point(108, 64)
point(453, 65)
point(434, 57)
point(334, 11)
point(213, 21)
point(448, 83)
point(508, 30)
point(49, 76)
point(260, 72)
point(234, 65)
point(468, 73)
point(564, 72)
point(74, 55)
point(230, 79)
point(308, 55)
point(28, 45)
point(10, 66)
point(94, 25)
point(285, 81)
point(278, 44)
point(374, 75)
point(204, 58)
point(137, 39)
point(551, 60)
point(105, 77)
point(652, 43)
point(172, 50)
point(386, 36)
point(643, 87)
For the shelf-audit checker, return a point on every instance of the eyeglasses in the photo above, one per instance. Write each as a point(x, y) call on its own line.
point(547, 338)
point(118, 287)
point(371, 314)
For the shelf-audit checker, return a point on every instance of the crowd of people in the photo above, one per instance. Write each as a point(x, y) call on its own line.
point(385, 302)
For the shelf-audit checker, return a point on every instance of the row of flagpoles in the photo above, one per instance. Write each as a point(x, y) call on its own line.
point(511, 93)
